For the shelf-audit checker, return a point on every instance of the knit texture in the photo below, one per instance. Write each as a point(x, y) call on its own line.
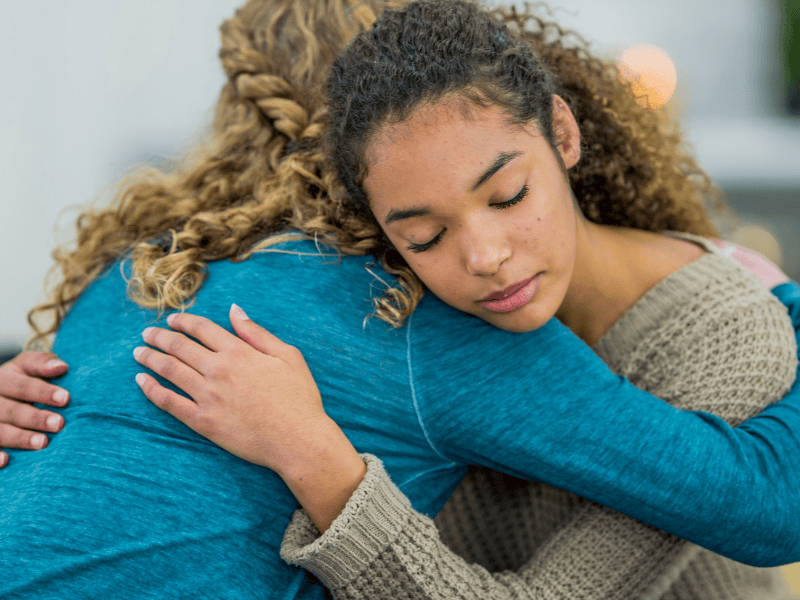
point(708, 337)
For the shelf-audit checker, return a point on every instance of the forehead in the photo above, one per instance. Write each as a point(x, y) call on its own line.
point(439, 149)
point(435, 135)
point(440, 122)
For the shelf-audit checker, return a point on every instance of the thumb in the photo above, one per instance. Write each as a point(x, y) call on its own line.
point(255, 335)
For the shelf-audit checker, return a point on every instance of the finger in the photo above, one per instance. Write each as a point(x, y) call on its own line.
point(255, 335)
point(178, 406)
point(170, 368)
point(3, 459)
point(17, 385)
point(180, 346)
point(28, 417)
point(14, 437)
point(211, 335)
point(40, 364)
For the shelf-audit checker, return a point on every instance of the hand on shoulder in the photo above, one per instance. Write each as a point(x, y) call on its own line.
point(253, 395)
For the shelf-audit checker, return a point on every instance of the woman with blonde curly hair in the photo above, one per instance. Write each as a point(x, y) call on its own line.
point(172, 514)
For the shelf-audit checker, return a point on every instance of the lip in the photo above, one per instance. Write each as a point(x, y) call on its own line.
point(512, 297)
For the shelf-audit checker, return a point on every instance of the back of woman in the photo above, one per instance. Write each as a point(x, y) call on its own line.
point(128, 502)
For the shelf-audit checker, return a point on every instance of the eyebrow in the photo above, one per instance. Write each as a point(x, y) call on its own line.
point(399, 215)
point(501, 161)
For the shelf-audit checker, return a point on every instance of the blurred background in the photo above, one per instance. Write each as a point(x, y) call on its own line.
point(92, 87)
point(88, 89)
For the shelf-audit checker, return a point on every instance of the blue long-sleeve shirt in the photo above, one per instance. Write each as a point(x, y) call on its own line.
point(126, 501)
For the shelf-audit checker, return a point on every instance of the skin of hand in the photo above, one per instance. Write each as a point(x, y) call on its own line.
point(21, 384)
point(254, 396)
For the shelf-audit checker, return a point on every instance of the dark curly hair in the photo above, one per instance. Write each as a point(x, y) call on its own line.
point(633, 171)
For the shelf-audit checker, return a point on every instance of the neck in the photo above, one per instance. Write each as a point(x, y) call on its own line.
point(614, 267)
point(605, 282)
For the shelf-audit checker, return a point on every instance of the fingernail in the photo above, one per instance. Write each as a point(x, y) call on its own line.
point(3, 459)
point(55, 364)
point(137, 352)
point(61, 397)
point(38, 441)
point(139, 379)
point(170, 319)
point(237, 312)
point(54, 422)
point(146, 332)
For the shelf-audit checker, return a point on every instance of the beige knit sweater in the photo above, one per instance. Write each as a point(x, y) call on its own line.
point(709, 337)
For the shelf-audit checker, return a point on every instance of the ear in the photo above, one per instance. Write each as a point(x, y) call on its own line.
point(567, 133)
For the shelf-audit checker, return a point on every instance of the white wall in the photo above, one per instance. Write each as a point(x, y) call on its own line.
point(722, 49)
point(88, 87)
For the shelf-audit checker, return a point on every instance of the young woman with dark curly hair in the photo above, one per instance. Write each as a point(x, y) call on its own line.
point(171, 514)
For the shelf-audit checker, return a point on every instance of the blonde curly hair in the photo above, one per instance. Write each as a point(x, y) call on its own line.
point(262, 172)
point(263, 177)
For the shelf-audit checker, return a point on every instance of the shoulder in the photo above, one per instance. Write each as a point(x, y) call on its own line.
point(655, 256)
point(300, 277)
point(677, 250)
point(710, 333)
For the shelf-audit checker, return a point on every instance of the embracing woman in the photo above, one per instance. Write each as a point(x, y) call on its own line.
point(488, 223)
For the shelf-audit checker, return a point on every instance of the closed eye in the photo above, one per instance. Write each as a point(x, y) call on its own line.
point(501, 205)
point(515, 200)
point(427, 245)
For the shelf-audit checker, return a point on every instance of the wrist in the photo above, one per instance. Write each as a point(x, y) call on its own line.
point(325, 474)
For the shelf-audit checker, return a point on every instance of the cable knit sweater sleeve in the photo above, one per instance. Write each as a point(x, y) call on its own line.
point(708, 338)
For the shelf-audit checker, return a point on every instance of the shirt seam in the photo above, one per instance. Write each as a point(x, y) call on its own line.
point(414, 391)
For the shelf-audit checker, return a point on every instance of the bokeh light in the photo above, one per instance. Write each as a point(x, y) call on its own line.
point(651, 74)
point(759, 239)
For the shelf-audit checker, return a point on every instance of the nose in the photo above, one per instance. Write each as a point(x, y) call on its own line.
point(485, 249)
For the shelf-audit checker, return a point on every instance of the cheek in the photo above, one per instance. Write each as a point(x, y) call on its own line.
point(556, 226)
point(441, 277)
point(534, 231)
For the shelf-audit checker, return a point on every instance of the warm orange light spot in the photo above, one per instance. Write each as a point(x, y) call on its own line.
point(651, 73)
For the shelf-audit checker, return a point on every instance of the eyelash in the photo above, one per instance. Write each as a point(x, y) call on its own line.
point(499, 205)
point(426, 245)
point(515, 200)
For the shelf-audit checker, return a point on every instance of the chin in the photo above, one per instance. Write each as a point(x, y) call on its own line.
point(525, 319)
point(516, 323)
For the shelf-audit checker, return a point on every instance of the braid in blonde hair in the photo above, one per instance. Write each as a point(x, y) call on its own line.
point(261, 173)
